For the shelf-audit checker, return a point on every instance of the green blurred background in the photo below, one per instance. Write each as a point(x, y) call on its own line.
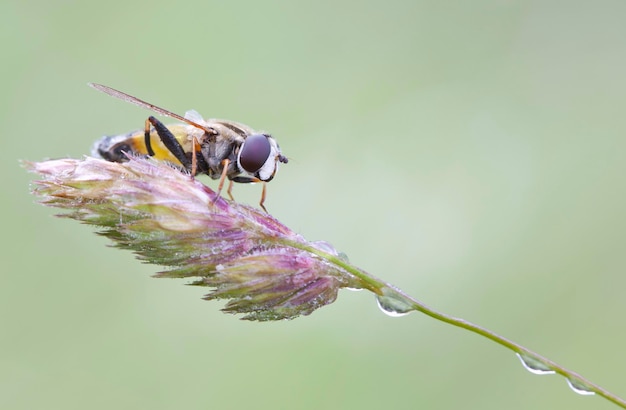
point(472, 153)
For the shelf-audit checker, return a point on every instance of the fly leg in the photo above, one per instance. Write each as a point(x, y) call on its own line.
point(146, 138)
point(229, 191)
point(225, 163)
point(247, 180)
point(263, 197)
point(170, 142)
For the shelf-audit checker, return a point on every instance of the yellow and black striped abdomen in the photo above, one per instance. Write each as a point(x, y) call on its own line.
point(115, 147)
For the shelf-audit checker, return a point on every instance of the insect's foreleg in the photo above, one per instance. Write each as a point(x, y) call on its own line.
point(247, 180)
point(230, 190)
point(263, 197)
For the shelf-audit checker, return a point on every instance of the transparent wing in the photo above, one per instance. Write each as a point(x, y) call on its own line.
point(134, 100)
point(193, 115)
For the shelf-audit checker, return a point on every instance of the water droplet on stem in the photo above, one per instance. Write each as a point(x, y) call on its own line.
point(534, 366)
point(580, 388)
point(393, 304)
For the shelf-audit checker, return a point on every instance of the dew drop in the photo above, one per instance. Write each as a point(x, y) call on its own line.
point(534, 366)
point(325, 247)
point(393, 304)
point(328, 248)
point(343, 257)
point(579, 387)
point(353, 289)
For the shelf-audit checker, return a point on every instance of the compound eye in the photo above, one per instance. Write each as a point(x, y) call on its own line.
point(254, 152)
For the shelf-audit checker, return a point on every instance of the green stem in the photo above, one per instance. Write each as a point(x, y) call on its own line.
point(380, 287)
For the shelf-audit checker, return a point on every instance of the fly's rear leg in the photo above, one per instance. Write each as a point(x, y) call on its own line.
point(146, 138)
point(170, 142)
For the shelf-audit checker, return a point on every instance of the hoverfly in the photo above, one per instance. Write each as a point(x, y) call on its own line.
point(219, 148)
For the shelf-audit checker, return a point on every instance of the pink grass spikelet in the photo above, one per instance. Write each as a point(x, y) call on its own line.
point(264, 269)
